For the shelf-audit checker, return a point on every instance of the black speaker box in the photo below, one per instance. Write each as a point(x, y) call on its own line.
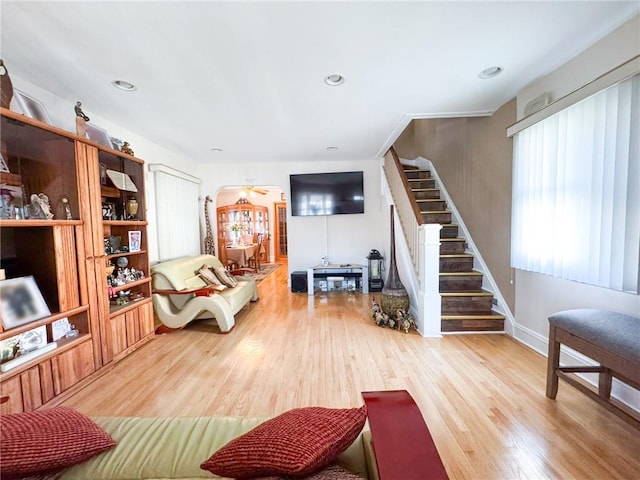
point(299, 282)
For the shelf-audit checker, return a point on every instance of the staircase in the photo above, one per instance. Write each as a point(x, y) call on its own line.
point(465, 305)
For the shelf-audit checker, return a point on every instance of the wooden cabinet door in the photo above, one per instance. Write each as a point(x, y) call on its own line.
point(46, 381)
point(11, 390)
point(29, 390)
point(72, 366)
point(133, 326)
point(31, 394)
point(146, 320)
point(118, 334)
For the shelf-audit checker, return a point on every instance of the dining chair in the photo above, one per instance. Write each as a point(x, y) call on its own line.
point(222, 256)
point(254, 260)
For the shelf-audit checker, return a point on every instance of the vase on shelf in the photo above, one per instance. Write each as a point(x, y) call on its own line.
point(132, 208)
point(394, 296)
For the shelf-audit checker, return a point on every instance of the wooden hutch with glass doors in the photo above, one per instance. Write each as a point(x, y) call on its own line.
point(77, 291)
point(241, 223)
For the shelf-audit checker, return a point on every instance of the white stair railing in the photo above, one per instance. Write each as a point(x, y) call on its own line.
point(423, 245)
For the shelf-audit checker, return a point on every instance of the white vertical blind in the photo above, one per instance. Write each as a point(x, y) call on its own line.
point(177, 206)
point(576, 191)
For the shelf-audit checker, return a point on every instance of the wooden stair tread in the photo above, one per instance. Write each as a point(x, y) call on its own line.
point(483, 293)
point(436, 211)
point(456, 239)
point(457, 255)
point(480, 316)
point(471, 273)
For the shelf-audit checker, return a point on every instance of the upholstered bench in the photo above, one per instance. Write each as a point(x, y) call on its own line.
point(609, 338)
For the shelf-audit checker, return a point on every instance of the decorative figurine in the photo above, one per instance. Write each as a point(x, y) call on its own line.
point(116, 143)
point(79, 112)
point(126, 148)
point(41, 206)
point(81, 120)
point(67, 208)
point(6, 203)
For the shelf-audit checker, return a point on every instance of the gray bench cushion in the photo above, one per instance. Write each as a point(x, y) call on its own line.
point(611, 331)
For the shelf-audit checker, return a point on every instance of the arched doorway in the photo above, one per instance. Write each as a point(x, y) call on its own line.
point(260, 215)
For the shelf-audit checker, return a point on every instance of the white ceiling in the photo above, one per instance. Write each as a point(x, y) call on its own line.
point(247, 77)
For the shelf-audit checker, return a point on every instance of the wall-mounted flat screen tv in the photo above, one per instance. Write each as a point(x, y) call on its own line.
point(326, 193)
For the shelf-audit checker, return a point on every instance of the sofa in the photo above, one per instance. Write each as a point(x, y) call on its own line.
point(384, 439)
point(174, 448)
point(180, 295)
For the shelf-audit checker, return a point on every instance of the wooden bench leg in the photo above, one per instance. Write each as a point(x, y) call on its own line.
point(553, 362)
point(604, 384)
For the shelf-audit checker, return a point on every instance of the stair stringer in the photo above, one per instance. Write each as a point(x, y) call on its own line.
point(488, 282)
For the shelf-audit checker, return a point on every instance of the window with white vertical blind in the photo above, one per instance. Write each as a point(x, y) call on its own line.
point(178, 222)
point(576, 191)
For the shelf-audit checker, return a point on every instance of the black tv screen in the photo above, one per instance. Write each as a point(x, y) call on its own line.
point(326, 193)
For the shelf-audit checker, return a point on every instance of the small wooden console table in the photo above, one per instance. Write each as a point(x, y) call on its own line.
point(338, 272)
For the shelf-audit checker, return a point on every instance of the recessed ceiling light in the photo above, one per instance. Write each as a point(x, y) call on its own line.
point(331, 149)
point(334, 79)
point(216, 149)
point(490, 72)
point(124, 85)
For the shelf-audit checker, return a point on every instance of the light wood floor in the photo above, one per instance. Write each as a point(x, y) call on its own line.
point(482, 396)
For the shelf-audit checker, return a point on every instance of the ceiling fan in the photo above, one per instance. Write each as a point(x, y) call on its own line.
point(249, 189)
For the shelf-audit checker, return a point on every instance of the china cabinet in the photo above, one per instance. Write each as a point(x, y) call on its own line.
point(53, 242)
point(241, 223)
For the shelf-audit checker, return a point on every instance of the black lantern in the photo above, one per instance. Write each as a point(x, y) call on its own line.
point(375, 271)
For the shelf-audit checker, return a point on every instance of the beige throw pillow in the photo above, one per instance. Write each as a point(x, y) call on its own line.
point(225, 277)
point(207, 275)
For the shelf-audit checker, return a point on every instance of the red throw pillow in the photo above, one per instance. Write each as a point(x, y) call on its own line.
point(48, 440)
point(298, 442)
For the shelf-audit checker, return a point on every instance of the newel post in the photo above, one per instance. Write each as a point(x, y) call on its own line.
point(429, 295)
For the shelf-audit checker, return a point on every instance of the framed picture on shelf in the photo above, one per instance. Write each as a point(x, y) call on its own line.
point(31, 107)
point(109, 211)
point(60, 328)
point(98, 135)
point(21, 302)
point(135, 240)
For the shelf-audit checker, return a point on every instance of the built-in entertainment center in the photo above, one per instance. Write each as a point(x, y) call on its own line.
point(345, 277)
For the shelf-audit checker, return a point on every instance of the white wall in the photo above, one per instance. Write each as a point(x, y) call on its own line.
point(62, 115)
point(343, 238)
point(538, 296)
